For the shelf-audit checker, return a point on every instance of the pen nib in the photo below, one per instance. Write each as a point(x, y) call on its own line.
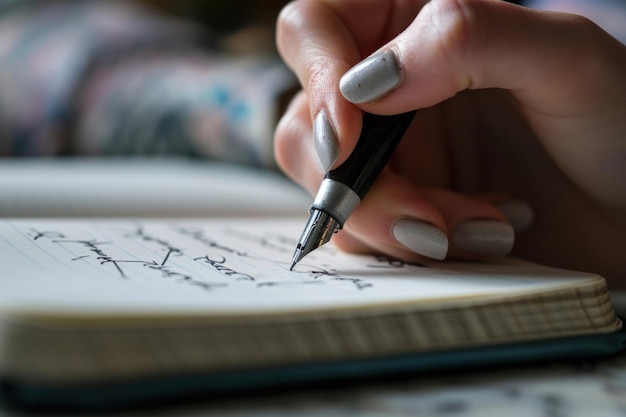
point(317, 231)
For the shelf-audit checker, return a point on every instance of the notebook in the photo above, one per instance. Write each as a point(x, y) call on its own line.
point(143, 186)
point(101, 313)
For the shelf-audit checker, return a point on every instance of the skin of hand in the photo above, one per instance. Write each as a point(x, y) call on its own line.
point(514, 104)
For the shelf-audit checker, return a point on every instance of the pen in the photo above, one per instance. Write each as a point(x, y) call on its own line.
point(343, 188)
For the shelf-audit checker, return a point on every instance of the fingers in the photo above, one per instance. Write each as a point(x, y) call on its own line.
point(320, 40)
point(411, 222)
point(555, 63)
point(318, 47)
point(566, 74)
point(399, 216)
point(453, 45)
point(443, 51)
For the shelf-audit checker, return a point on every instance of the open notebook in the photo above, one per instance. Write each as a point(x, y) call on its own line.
point(112, 312)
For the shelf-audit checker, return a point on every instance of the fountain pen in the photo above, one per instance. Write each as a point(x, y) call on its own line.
point(343, 188)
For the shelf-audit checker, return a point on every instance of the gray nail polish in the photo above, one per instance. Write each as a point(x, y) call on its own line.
point(421, 238)
point(484, 237)
point(371, 78)
point(325, 141)
point(518, 213)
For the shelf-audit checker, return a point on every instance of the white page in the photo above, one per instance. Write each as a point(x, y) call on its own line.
point(220, 266)
point(146, 187)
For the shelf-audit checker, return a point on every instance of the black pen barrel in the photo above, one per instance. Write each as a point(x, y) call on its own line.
point(379, 137)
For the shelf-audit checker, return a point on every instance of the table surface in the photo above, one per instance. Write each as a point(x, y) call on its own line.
point(558, 390)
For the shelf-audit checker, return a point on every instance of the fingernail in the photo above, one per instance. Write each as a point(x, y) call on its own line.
point(484, 237)
point(518, 213)
point(421, 238)
point(371, 78)
point(325, 141)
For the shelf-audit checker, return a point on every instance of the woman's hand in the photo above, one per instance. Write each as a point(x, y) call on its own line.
point(518, 108)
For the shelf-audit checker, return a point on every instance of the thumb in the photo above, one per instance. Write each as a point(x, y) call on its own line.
point(453, 45)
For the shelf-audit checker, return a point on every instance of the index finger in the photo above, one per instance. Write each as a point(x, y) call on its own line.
point(321, 39)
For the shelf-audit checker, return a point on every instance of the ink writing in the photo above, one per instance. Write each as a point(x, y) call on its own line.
point(95, 247)
point(238, 258)
point(219, 266)
point(199, 236)
point(51, 235)
point(168, 272)
point(170, 250)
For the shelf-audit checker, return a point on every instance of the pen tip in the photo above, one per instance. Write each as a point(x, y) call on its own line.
point(318, 231)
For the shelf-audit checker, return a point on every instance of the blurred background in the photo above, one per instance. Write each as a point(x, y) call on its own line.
point(194, 78)
point(199, 79)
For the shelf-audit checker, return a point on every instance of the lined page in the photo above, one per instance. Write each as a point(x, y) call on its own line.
point(225, 266)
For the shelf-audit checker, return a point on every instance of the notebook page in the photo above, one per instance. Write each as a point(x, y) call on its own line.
point(222, 266)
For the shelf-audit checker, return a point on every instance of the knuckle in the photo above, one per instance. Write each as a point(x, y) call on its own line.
point(463, 27)
point(289, 22)
point(587, 31)
point(306, 54)
point(289, 18)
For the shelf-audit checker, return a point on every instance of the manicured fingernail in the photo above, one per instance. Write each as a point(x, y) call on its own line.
point(421, 238)
point(371, 78)
point(484, 237)
point(518, 213)
point(325, 141)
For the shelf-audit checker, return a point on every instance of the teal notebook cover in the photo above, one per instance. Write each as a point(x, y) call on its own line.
point(128, 393)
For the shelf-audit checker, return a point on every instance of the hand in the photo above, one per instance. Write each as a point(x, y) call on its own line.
point(518, 108)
